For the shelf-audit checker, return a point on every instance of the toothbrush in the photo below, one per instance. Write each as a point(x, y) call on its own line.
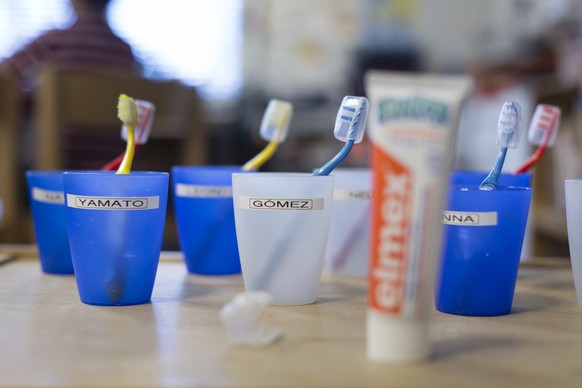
point(127, 113)
point(349, 127)
point(274, 128)
point(508, 132)
point(349, 120)
point(114, 281)
point(145, 111)
point(350, 124)
point(542, 132)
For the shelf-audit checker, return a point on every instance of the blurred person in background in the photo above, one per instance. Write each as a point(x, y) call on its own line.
point(89, 43)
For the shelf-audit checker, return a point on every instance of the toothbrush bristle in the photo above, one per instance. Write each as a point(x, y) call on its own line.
point(280, 117)
point(348, 113)
point(544, 125)
point(509, 118)
point(351, 119)
point(509, 125)
point(276, 120)
point(127, 110)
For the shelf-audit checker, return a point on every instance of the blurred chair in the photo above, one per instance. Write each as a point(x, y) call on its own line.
point(76, 124)
point(12, 191)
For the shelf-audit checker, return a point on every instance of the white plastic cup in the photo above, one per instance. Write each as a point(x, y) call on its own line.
point(282, 224)
point(348, 247)
point(573, 189)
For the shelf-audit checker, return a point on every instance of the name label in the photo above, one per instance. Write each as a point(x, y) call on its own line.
point(415, 108)
point(470, 218)
point(113, 203)
point(302, 204)
point(346, 194)
point(196, 191)
point(48, 196)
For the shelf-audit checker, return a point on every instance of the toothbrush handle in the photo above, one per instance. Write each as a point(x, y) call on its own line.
point(262, 157)
point(114, 164)
point(329, 166)
point(532, 160)
point(492, 180)
point(536, 156)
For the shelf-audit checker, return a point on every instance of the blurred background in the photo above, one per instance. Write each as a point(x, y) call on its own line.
point(239, 54)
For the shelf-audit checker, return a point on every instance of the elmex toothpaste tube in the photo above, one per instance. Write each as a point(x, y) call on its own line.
point(412, 126)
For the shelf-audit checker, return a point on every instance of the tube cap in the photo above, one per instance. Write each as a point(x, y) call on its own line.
point(391, 340)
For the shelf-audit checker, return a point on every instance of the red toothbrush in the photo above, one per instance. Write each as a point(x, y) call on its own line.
point(143, 129)
point(542, 132)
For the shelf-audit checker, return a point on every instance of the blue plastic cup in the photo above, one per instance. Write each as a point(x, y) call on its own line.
point(505, 179)
point(476, 177)
point(205, 218)
point(116, 226)
point(483, 235)
point(47, 202)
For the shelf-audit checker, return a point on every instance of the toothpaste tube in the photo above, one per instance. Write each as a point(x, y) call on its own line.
point(412, 125)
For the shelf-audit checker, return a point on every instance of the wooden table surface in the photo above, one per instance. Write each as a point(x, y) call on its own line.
point(48, 337)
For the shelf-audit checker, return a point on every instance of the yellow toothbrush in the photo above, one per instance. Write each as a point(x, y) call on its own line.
point(274, 126)
point(127, 113)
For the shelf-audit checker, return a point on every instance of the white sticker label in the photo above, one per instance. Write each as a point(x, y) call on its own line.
point(346, 194)
point(113, 203)
point(253, 203)
point(48, 196)
point(470, 218)
point(194, 191)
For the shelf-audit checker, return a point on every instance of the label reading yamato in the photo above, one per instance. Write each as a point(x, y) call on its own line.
point(113, 203)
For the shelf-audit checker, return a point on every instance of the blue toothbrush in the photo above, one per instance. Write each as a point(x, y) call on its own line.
point(349, 128)
point(508, 133)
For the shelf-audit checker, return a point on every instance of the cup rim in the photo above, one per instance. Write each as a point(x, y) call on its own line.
point(108, 173)
point(487, 172)
point(347, 171)
point(351, 169)
point(272, 174)
point(475, 187)
point(38, 173)
point(217, 167)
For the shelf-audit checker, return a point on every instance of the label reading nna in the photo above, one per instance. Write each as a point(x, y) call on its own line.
point(300, 204)
point(48, 196)
point(469, 218)
point(113, 203)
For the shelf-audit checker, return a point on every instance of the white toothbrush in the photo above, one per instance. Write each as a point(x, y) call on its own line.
point(508, 132)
